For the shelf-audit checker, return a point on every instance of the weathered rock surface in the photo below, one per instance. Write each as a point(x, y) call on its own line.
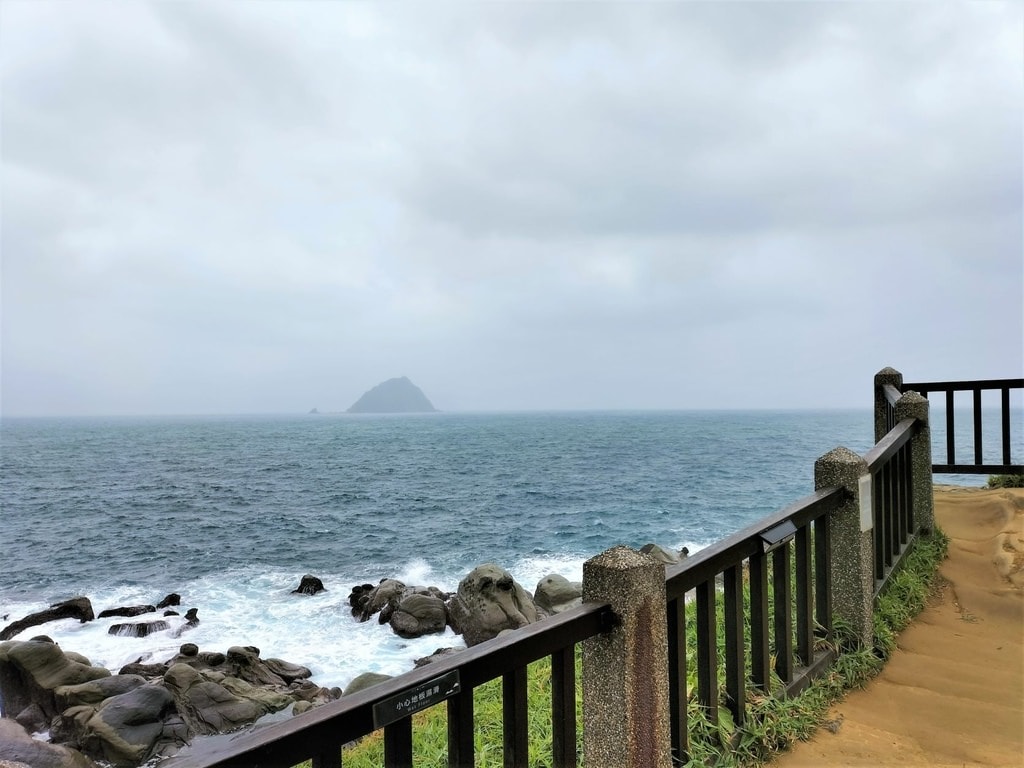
point(309, 585)
point(440, 653)
point(129, 728)
point(667, 556)
point(556, 593)
point(138, 629)
point(418, 615)
point(30, 671)
point(209, 705)
point(364, 681)
point(18, 747)
point(95, 691)
point(488, 601)
point(127, 611)
point(76, 608)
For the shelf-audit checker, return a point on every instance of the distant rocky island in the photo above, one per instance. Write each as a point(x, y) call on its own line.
point(393, 396)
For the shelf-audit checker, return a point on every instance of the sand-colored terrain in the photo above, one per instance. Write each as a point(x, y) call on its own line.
point(953, 694)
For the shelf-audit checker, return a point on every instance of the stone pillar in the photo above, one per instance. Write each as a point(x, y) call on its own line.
point(915, 406)
point(625, 670)
point(853, 575)
point(883, 377)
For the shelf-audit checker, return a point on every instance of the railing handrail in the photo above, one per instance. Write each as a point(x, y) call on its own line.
point(888, 446)
point(351, 717)
point(681, 577)
point(923, 387)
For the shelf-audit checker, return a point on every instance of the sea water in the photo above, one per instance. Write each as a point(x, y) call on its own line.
point(230, 512)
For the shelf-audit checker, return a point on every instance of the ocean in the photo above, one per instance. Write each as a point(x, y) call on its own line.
point(230, 512)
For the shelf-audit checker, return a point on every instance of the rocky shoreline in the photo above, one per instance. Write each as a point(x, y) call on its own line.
point(147, 711)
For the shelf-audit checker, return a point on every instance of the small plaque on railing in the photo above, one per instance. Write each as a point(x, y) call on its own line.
point(427, 694)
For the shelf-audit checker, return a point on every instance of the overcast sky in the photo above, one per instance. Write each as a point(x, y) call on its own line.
point(239, 207)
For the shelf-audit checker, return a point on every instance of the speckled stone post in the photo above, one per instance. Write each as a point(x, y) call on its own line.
point(883, 377)
point(915, 406)
point(625, 671)
point(853, 578)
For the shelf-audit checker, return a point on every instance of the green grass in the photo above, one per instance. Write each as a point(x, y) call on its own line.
point(773, 723)
point(1005, 481)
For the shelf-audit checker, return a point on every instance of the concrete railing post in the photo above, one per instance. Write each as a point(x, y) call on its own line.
point(915, 406)
point(883, 377)
point(853, 575)
point(625, 670)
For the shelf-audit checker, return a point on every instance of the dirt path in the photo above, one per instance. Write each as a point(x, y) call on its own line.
point(953, 693)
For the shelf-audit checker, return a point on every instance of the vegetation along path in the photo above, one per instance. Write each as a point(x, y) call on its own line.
point(953, 692)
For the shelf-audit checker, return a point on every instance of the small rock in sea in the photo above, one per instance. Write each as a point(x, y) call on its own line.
point(309, 585)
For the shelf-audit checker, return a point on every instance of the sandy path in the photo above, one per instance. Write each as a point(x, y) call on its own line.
point(953, 693)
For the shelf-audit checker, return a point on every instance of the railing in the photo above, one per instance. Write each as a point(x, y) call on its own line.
point(319, 734)
point(1003, 386)
point(828, 555)
point(804, 581)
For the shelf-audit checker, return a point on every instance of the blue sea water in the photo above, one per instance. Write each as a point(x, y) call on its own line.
point(230, 512)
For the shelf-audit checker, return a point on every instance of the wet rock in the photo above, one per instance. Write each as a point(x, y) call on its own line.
point(30, 671)
point(172, 599)
point(309, 585)
point(128, 729)
point(127, 611)
point(76, 608)
point(418, 615)
point(138, 629)
point(488, 601)
point(18, 747)
point(95, 691)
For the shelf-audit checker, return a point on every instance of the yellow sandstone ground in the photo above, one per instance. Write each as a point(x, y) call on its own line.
point(953, 693)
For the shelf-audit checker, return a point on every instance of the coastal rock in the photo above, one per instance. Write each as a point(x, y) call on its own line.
point(137, 629)
point(418, 615)
point(385, 595)
point(488, 601)
point(127, 611)
point(364, 681)
point(76, 608)
point(244, 663)
point(556, 593)
point(666, 556)
point(356, 598)
point(440, 653)
point(30, 671)
point(172, 599)
point(309, 585)
point(287, 671)
point(129, 728)
point(95, 691)
point(211, 706)
point(18, 747)
point(147, 671)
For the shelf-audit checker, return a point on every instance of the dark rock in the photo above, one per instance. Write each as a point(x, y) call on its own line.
point(440, 653)
point(364, 681)
point(357, 597)
point(17, 746)
point(148, 671)
point(95, 691)
point(31, 671)
point(217, 706)
point(244, 663)
point(488, 601)
point(384, 597)
point(287, 671)
point(666, 556)
point(172, 599)
point(138, 629)
point(309, 585)
point(76, 608)
point(192, 615)
point(171, 613)
point(126, 729)
point(556, 593)
point(127, 611)
point(418, 615)
point(33, 719)
point(189, 649)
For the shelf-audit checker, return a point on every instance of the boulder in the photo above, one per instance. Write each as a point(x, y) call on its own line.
point(287, 671)
point(30, 671)
point(33, 719)
point(666, 556)
point(244, 663)
point(309, 585)
point(129, 728)
point(556, 593)
point(384, 597)
point(95, 691)
point(208, 706)
point(440, 653)
point(127, 611)
point(172, 599)
point(418, 615)
point(17, 747)
point(138, 629)
point(364, 681)
point(76, 608)
point(355, 598)
point(147, 671)
point(488, 601)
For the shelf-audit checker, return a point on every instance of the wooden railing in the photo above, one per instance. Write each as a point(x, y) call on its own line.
point(976, 388)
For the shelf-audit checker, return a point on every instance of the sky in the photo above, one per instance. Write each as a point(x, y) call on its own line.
point(227, 207)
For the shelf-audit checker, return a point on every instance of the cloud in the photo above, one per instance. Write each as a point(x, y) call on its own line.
point(265, 207)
